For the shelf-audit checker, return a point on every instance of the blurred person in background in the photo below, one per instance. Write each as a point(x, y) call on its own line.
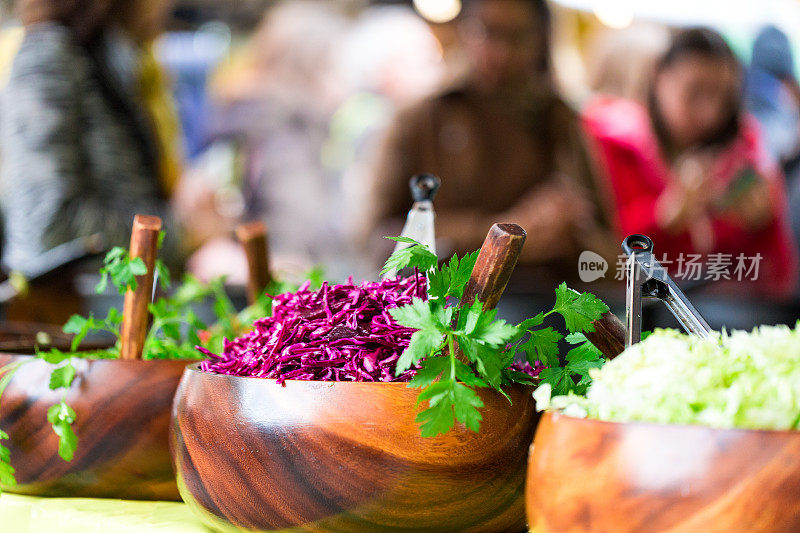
point(689, 169)
point(506, 147)
point(89, 136)
point(773, 97)
point(621, 61)
point(274, 102)
point(390, 60)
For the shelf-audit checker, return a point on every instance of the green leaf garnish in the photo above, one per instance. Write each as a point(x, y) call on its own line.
point(175, 331)
point(121, 269)
point(415, 256)
point(61, 377)
point(578, 309)
point(61, 416)
point(448, 385)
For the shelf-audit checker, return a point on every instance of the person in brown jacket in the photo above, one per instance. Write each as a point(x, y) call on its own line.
point(505, 145)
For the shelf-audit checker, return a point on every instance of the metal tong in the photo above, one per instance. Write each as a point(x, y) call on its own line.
point(420, 221)
point(646, 278)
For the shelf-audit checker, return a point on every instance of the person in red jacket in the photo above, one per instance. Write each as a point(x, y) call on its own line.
point(688, 170)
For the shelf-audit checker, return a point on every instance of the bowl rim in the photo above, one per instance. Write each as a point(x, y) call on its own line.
point(194, 367)
point(106, 360)
point(555, 415)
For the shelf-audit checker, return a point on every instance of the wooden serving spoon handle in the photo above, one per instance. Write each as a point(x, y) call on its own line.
point(253, 238)
point(496, 262)
point(608, 335)
point(144, 244)
point(493, 268)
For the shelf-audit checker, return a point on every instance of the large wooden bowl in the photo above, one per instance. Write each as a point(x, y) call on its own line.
point(321, 456)
point(588, 475)
point(122, 422)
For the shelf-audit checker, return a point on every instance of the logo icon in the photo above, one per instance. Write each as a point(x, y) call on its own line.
point(591, 266)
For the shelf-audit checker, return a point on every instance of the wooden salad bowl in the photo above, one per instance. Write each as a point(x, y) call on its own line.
point(342, 456)
point(589, 475)
point(122, 419)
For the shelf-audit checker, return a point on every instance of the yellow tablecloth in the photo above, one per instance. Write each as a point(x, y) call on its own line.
point(27, 514)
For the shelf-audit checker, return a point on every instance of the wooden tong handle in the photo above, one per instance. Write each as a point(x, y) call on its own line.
point(253, 238)
point(135, 318)
point(608, 335)
point(493, 268)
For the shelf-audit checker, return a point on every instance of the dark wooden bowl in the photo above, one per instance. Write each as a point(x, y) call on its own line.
point(344, 456)
point(122, 411)
point(588, 475)
point(25, 337)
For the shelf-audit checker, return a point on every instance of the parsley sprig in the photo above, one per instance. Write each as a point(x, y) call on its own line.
point(175, 331)
point(490, 345)
point(541, 344)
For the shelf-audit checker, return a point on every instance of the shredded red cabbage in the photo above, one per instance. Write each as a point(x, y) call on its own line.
point(338, 333)
point(526, 368)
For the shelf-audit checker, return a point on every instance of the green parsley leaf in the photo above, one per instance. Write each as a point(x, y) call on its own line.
point(529, 323)
point(430, 369)
point(466, 404)
point(102, 285)
point(6, 470)
point(482, 326)
point(542, 346)
point(438, 417)
point(489, 344)
point(583, 358)
point(122, 270)
point(466, 375)
point(557, 378)
point(578, 309)
point(163, 275)
point(137, 266)
point(61, 377)
point(489, 365)
point(416, 255)
point(460, 272)
point(438, 283)
point(417, 315)
point(576, 338)
point(80, 327)
point(423, 343)
point(61, 416)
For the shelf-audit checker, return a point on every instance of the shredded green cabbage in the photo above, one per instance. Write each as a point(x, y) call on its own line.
point(731, 380)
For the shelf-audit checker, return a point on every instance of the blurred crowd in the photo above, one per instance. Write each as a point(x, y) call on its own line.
point(315, 121)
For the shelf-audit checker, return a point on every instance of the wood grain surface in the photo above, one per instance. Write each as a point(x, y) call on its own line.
point(253, 238)
point(345, 457)
point(608, 335)
point(588, 475)
point(135, 316)
point(496, 261)
point(123, 412)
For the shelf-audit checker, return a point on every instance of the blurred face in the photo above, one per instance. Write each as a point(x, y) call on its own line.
point(144, 20)
point(694, 96)
point(502, 40)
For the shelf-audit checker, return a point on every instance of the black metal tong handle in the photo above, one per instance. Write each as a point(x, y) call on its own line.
point(646, 278)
